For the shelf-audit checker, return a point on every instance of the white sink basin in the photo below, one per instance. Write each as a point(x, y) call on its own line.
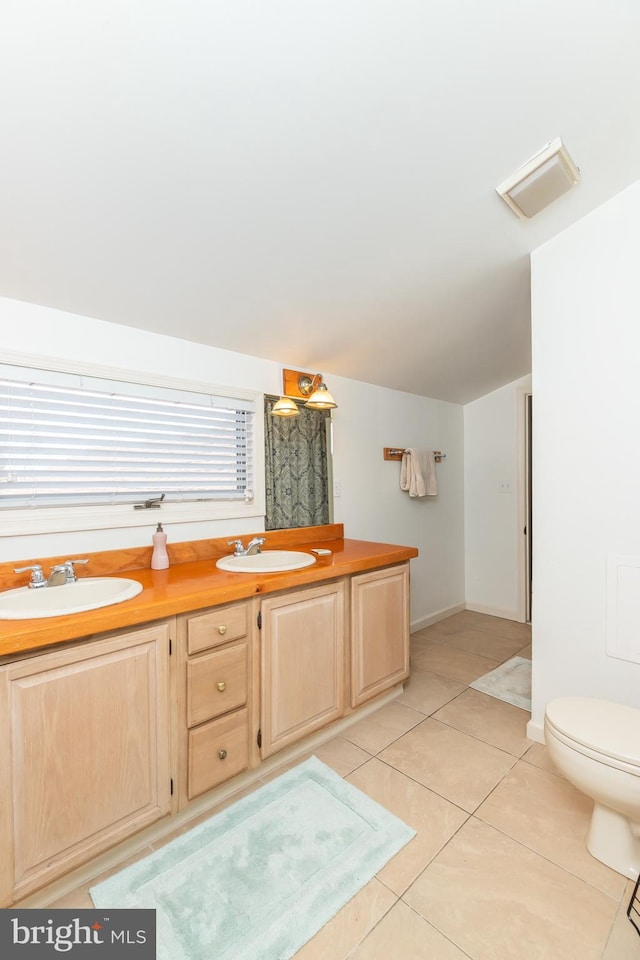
point(24, 603)
point(269, 561)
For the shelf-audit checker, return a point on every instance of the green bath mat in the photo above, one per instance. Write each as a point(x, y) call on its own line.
point(511, 682)
point(258, 880)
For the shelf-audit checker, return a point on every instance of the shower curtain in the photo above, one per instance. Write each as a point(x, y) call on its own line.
point(296, 468)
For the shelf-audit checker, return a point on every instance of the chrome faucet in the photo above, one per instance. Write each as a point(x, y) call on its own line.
point(60, 573)
point(252, 548)
point(63, 573)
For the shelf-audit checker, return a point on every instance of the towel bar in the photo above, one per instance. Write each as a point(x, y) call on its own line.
point(396, 453)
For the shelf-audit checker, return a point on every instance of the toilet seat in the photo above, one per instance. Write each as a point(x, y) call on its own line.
point(598, 728)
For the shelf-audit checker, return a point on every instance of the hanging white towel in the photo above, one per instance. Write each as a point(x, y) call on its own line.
point(418, 473)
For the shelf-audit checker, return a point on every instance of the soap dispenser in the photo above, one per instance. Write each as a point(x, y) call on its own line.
point(159, 557)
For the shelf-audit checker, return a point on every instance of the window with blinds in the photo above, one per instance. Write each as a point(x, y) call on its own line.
point(71, 440)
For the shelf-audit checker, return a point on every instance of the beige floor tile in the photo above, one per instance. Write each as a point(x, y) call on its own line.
point(538, 756)
point(337, 939)
point(485, 644)
point(424, 639)
point(434, 819)
point(341, 755)
point(624, 941)
point(426, 691)
point(551, 817)
point(402, 934)
point(420, 635)
point(381, 728)
point(466, 619)
point(456, 766)
point(438, 632)
point(450, 661)
point(338, 753)
point(496, 625)
point(497, 900)
point(494, 721)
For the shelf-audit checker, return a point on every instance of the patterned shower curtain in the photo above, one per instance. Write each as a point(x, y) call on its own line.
point(296, 470)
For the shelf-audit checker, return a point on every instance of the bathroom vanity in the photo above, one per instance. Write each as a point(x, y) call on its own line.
point(122, 723)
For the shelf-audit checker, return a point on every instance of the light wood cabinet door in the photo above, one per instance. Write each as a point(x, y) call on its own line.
point(85, 753)
point(379, 631)
point(302, 664)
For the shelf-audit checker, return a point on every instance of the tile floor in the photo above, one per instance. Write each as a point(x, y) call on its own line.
point(498, 869)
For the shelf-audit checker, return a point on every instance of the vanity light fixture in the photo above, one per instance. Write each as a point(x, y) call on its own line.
point(309, 387)
point(546, 176)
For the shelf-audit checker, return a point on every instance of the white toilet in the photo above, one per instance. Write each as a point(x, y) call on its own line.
point(596, 745)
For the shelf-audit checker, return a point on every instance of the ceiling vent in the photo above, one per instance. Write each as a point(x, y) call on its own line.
point(540, 181)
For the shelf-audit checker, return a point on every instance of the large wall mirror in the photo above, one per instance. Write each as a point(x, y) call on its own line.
point(298, 468)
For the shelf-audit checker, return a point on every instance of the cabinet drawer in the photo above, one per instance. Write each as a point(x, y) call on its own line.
point(216, 683)
point(217, 751)
point(219, 626)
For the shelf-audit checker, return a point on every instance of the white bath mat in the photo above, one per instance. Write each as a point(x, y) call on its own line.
point(511, 682)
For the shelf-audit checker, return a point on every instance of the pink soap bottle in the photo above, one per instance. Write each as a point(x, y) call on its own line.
point(159, 557)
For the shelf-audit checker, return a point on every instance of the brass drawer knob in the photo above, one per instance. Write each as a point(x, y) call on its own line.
point(221, 685)
point(222, 754)
point(222, 629)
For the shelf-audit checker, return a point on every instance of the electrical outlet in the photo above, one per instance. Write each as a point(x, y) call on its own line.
point(337, 490)
point(505, 486)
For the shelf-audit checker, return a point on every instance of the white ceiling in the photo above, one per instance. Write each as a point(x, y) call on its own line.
point(310, 181)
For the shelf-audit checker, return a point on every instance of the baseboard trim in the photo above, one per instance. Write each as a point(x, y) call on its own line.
point(535, 731)
point(436, 617)
point(501, 612)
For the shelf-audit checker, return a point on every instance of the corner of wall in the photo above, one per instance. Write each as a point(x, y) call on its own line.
point(535, 732)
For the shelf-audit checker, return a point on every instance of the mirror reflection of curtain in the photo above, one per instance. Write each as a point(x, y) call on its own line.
point(296, 468)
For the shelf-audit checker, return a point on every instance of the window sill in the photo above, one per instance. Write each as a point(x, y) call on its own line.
point(26, 522)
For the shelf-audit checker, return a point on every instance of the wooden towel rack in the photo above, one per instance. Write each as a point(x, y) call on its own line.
point(396, 453)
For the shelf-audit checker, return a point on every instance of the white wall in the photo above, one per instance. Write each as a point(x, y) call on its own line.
point(371, 504)
point(586, 484)
point(494, 543)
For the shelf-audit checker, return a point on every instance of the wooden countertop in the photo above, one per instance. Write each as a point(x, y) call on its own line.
point(193, 584)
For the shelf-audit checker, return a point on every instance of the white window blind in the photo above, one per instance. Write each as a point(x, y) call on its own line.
point(67, 440)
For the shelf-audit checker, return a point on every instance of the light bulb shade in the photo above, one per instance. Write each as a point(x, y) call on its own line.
point(284, 407)
point(321, 399)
